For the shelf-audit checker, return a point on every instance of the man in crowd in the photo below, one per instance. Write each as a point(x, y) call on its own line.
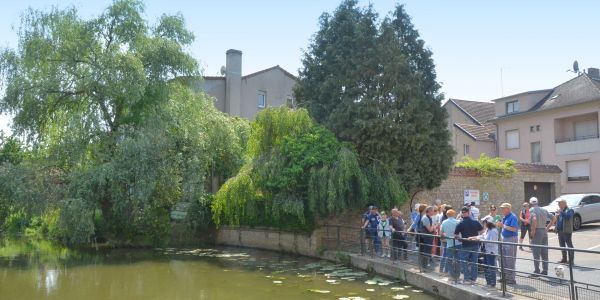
point(399, 244)
point(510, 230)
point(469, 252)
point(449, 264)
point(564, 229)
point(371, 225)
point(538, 235)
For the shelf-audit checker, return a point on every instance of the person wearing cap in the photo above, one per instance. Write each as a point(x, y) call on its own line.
point(371, 225)
point(490, 250)
point(525, 218)
point(538, 235)
point(564, 229)
point(510, 230)
point(448, 264)
point(469, 252)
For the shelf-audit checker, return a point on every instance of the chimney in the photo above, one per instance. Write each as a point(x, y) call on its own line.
point(233, 82)
point(594, 73)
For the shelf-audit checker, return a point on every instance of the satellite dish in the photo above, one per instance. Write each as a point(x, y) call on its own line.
point(576, 67)
point(223, 70)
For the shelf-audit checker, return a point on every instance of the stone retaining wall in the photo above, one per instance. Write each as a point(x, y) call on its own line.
point(500, 190)
point(269, 239)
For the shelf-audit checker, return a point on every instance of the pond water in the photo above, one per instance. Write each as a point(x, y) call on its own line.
point(43, 271)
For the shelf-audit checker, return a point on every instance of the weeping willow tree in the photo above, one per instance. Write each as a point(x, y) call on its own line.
point(297, 171)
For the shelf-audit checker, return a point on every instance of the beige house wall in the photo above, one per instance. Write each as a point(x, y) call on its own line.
point(546, 135)
point(459, 138)
point(216, 89)
point(277, 86)
point(526, 101)
point(476, 148)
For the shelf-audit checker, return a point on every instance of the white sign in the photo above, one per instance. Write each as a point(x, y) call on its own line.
point(471, 196)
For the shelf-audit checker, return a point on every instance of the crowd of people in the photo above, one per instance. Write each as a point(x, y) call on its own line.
point(463, 241)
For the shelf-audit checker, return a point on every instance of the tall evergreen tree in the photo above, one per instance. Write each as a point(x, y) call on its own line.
point(373, 83)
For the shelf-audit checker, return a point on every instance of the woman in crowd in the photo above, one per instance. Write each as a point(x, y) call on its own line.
point(524, 218)
point(427, 228)
point(490, 250)
point(385, 233)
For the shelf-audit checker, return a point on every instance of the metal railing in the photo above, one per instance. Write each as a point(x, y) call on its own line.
point(408, 248)
point(577, 138)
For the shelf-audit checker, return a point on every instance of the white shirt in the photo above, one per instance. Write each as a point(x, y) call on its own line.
point(475, 213)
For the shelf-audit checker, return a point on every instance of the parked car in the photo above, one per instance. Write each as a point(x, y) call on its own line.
point(586, 207)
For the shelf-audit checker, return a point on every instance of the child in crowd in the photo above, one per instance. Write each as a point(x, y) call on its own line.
point(385, 233)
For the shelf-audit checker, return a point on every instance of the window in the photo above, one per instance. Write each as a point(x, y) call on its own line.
point(531, 128)
point(591, 200)
point(290, 102)
point(512, 107)
point(536, 152)
point(262, 99)
point(466, 149)
point(578, 170)
point(587, 129)
point(512, 139)
point(538, 128)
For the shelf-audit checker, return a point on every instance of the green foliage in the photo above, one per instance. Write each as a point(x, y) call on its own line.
point(76, 220)
point(373, 83)
point(15, 223)
point(297, 172)
point(489, 166)
point(113, 140)
point(11, 150)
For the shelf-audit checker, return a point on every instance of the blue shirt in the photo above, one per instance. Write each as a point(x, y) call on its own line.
point(468, 228)
point(510, 220)
point(448, 227)
point(564, 214)
point(373, 221)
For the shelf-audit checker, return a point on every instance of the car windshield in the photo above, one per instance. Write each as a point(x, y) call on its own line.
point(572, 200)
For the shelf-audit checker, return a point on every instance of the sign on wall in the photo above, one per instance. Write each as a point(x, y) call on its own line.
point(471, 196)
point(485, 196)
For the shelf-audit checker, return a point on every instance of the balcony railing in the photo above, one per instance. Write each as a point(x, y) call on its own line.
point(579, 138)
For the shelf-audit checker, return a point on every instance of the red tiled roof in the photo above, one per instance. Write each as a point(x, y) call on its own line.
point(478, 132)
point(480, 112)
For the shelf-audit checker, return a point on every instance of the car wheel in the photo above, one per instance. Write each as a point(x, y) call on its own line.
point(576, 222)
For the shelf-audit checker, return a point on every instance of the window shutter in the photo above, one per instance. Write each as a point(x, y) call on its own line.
point(512, 139)
point(578, 170)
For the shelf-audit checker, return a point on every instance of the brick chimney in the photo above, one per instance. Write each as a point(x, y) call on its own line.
point(233, 82)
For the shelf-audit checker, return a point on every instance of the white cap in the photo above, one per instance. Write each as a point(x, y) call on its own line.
point(488, 219)
point(533, 200)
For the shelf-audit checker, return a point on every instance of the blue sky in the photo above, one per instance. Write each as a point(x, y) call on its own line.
point(533, 42)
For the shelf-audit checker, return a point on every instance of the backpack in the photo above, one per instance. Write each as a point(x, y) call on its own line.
point(420, 227)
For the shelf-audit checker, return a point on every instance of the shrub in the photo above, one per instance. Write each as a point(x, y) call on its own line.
point(76, 222)
point(489, 167)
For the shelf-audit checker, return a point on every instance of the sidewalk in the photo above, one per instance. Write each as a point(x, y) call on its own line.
point(441, 286)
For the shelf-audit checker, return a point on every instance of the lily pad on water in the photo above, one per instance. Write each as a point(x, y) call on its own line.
point(277, 281)
point(400, 297)
point(397, 288)
point(371, 282)
point(352, 298)
point(370, 290)
point(417, 291)
point(385, 283)
point(319, 291)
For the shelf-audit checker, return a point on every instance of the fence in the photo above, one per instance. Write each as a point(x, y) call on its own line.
point(538, 286)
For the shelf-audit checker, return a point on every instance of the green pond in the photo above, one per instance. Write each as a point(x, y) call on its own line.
point(44, 271)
